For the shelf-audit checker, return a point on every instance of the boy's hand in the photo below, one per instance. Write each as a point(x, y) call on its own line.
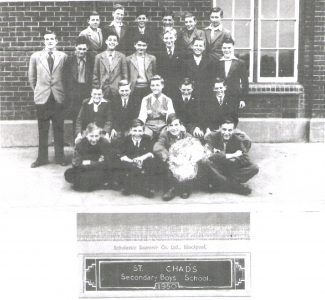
point(198, 132)
point(113, 134)
point(242, 104)
point(207, 132)
point(101, 158)
point(78, 138)
point(138, 161)
point(106, 136)
point(86, 162)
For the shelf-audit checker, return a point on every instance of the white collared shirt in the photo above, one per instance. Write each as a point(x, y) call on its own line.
point(141, 30)
point(110, 56)
point(212, 28)
point(136, 143)
point(187, 97)
point(117, 27)
point(170, 49)
point(197, 59)
point(96, 105)
point(96, 33)
point(125, 101)
point(228, 63)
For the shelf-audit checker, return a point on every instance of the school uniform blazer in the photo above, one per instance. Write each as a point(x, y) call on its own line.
point(215, 141)
point(186, 39)
point(72, 71)
point(165, 140)
point(42, 81)
point(237, 78)
point(102, 118)
point(121, 116)
point(122, 44)
point(94, 45)
point(133, 68)
point(131, 151)
point(188, 112)
point(107, 77)
point(213, 47)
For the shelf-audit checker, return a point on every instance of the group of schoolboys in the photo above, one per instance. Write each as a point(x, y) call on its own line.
point(126, 116)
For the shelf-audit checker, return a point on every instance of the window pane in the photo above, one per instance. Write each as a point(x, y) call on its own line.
point(227, 25)
point(269, 8)
point(244, 55)
point(268, 34)
point(226, 6)
point(242, 34)
point(287, 8)
point(287, 34)
point(286, 63)
point(268, 64)
point(242, 8)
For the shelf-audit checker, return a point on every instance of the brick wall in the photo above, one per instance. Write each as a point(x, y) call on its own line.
point(22, 25)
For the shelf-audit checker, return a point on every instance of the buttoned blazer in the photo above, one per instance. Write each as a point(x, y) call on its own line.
point(237, 78)
point(213, 47)
point(94, 45)
point(133, 68)
point(107, 77)
point(42, 81)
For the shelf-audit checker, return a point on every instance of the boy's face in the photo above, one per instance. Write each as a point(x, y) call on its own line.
point(186, 90)
point(228, 50)
point(137, 132)
point(124, 91)
point(93, 136)
point(81, 50)
point(50, 41)
point(169, 39)
point(219, 89)
point(97, 95)
point(156, 87)
point(190, 23)
point(175, 127)
point(168, 21)
point(111, 42)
point(227, 130)
point(198, 48)
point(141, 20)
point(118, 15)
point(140, 47)
point(215, 18)
point(94, 22)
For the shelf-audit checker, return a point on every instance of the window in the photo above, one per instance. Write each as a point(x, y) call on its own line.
point(266, 36)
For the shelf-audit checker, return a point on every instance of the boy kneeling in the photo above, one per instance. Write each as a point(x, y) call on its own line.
point(91, 159)
point(228, 165)
point(137, 161)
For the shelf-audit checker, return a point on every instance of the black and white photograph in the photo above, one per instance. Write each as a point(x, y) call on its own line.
point(144, 121)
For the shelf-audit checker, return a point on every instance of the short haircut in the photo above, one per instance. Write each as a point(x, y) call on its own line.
point(141, 12)
point(167, 13)
point(228, 40)
point(141, 38)
point(118, 6)
point(186, 81)
point(93, 13)
point(171, 118)
point(96, 88)
point(219, 80)
point(92, 127)
point(198, 39)
point(189, 15)
point(49, 31)
point(136, 123)
point(216, 10)
point(157, 77)
point(229, 119)
point(123, 82)
point(81, 40)
point(112, 33)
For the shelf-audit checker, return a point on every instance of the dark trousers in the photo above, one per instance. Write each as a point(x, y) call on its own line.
point(86, 178)
point(137, 96)
point(219, 171)
point(50, 111)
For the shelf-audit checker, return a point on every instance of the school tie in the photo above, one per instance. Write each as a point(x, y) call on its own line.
point(220, 100)
point(50, 61)
point(138, 144)
point(81, 71)
point(124, 103)
point(170, 53)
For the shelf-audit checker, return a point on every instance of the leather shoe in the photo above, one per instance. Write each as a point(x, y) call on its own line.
point(169, 195)
point(61, 162)
point(185, 195)
point(240, 189)
point(38, 163)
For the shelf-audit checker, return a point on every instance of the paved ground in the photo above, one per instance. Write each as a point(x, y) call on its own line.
point(290, 175)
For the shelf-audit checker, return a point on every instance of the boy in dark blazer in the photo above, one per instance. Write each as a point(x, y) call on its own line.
point(110, 68)
point(91, 161)
point(80, 72)
point(94, 34)
point(228, 166)
point(234, 72)
point(94, 110)
point(46, 74)
point(137, 161)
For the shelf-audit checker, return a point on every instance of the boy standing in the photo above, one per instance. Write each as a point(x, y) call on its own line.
point(90, 161)
point(137, 161)
point(93, 33)
point(155, 108)
point(46, 77)
point(110, 68)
